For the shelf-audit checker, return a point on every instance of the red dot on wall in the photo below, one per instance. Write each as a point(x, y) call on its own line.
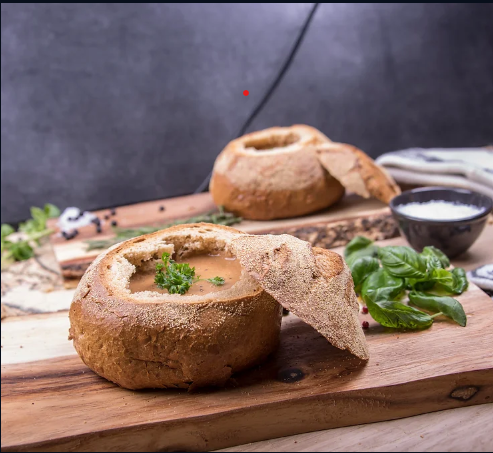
point(246, 93)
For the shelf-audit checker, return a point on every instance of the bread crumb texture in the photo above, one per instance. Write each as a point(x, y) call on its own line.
point(314, 283)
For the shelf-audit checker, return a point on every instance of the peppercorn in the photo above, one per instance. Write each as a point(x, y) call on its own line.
point(161, 208)
point(106, 217)
point(96, 221)
point(113, 212)
point(364, 310)
point(365, 324)
point(114, 223)
point(98, 229)
point(285, 312)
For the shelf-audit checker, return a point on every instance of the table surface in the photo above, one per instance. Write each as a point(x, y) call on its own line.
point(36, 286)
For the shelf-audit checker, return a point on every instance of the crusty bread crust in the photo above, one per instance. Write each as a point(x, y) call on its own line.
point(315, 284)
point(274, 174)
point(153, 340)
point(356, 171)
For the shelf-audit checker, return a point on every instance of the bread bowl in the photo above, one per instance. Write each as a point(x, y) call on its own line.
point(274, 174)
point(149, 339)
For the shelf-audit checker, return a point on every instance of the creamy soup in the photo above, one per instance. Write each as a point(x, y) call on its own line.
point(207, 266)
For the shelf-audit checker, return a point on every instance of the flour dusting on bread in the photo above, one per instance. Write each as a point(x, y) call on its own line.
point(315, 284)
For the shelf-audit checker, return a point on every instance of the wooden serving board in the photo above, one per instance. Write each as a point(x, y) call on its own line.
point(52, 401)
point(335, 226)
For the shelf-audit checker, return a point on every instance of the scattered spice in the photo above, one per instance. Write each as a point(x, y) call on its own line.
point(107, 217)
point(365, 324)
point(113, 212)
point(161, 208)
point(364, 310)
point(114, 223)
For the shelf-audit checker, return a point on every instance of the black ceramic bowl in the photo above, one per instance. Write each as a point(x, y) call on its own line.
point(453, 237)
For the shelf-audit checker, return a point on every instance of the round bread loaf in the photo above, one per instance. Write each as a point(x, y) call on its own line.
point(152, 340)
point(273, 174)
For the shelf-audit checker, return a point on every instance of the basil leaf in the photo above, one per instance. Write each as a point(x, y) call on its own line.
point(398, 316)
point(51, 210)
point(371, 251)
point(362, 268)
point(403, 262)
point(447, 305)
point(461, 282)
point(357, 243)
point(433, 251)
point(420, 285)
point(445, 279)
point(380, 285)
point(432, 262)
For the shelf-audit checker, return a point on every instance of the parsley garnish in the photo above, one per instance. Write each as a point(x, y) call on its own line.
point(177, 278)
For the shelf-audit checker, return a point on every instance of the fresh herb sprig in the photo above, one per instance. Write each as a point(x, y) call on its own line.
point(383, 274)
point(122, 234)
point(177, 278)
point(33, 230)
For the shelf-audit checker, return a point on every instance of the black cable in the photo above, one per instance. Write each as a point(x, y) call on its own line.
point(205, 183)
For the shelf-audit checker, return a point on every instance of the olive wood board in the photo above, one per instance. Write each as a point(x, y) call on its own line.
point(52, 401)
point(332, 227)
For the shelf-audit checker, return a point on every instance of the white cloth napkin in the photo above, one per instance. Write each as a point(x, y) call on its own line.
point(467, 168)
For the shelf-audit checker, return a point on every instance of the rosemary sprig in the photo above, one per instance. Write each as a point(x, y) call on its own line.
point(122, 234)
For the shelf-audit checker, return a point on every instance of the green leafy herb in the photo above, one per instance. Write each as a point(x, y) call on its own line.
point(357, 243)
point(420, 285)
point(34, 229)
point(404, 268)
point(381, 286)
point(461, 282)
point(218, 281)
point(397, 315)
point(402, 262)
point(370, 251)
point(437, 253)
point(446, 305)
point(362, 268)
point(122, 234)
point(432, 262)
point(177, 278)
point(444, 279)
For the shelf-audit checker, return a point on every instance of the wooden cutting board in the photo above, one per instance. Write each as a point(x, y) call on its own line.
point(332, 227)
point(52, 401)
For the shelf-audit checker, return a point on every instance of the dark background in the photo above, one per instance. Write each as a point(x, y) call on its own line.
point(110, 104)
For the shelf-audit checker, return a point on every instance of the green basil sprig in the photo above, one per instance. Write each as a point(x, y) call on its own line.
point(461, 282)
point(440, 304)
point(434, 252)
point(362, 268)
point(380, 285)
point(383, 274)
point(397, 315)
point(402, 262)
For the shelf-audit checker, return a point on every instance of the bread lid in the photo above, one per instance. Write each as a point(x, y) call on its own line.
point(356, 171)
point(314, 283)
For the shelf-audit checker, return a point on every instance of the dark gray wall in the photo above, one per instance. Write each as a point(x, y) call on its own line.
point(109, 104)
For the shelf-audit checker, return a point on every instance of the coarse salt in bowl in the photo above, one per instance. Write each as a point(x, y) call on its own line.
point(448, 218)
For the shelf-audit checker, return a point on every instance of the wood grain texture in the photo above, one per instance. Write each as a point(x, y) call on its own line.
point(460, 429)
point(58, 404)
point(329, 228)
